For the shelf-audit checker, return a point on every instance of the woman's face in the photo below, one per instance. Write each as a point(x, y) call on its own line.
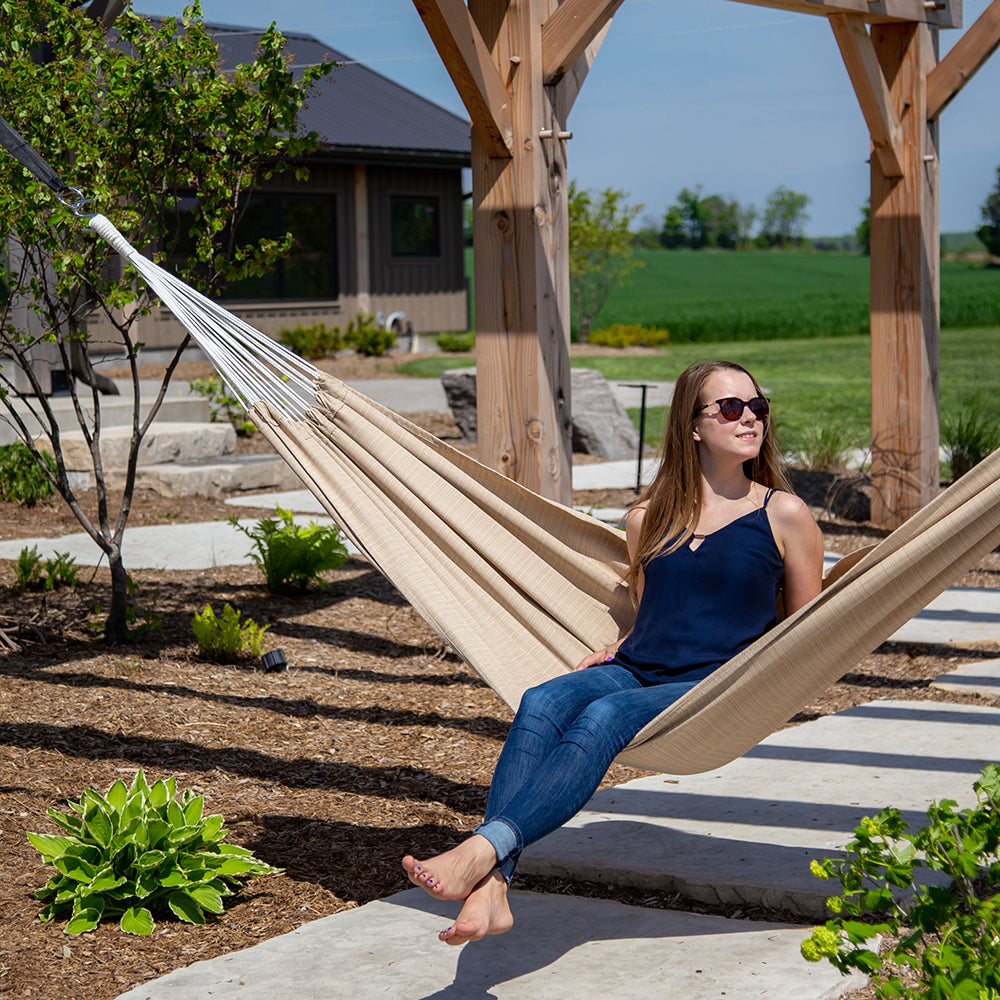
point(741, 438)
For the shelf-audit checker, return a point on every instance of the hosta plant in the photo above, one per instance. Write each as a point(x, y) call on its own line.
point(137, 853)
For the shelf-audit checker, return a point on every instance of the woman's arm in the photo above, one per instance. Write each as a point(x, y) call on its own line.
point(800, 543)
point(633, 524)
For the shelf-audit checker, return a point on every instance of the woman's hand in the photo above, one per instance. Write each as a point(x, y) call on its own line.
point(594, 659)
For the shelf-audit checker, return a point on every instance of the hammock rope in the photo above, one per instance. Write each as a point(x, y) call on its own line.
point(523, 587)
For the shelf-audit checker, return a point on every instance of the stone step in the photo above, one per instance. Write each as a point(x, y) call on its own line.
point(115, 411)
point(215, 477)
point(210, 477)
point(162, 443)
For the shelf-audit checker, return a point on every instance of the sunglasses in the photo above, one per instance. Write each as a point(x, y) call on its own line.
point(731, 407)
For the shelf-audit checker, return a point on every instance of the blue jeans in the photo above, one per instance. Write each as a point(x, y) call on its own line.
point(561, 743)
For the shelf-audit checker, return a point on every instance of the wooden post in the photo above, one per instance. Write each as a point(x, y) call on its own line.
point(905, 266)
point(520, 233)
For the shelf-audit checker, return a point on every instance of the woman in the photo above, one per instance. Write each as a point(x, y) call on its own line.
point(711, 543)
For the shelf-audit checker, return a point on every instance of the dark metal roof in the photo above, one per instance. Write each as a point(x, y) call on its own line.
point(358, 113)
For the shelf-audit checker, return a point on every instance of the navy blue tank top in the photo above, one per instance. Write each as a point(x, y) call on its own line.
point(700, 607)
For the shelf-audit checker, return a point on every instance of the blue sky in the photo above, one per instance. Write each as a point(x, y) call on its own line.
point(728, 95)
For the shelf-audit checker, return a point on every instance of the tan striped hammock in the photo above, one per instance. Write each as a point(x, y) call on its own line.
point(523, 587)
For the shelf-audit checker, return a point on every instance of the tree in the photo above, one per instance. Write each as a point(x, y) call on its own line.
point(710, 221)
point(600, 249)
point(693, 211)
point(144, 122)
point(863, 232)
point(672, 232)
point(785, 217)
point(989, 232)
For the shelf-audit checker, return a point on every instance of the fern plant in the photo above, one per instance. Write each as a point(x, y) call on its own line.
point(137, 853)
point(227, 639)
point(292, 556)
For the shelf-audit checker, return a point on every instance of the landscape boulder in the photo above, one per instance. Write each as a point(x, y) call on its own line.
point(601, 427)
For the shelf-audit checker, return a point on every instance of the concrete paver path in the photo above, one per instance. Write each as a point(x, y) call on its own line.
point(561, 947)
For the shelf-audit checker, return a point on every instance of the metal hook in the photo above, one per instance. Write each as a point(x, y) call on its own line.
point(77, 204)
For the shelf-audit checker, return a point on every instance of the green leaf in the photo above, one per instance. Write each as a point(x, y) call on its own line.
point(98, 825)
point(207, 898)
point(193, 811)
point(50, 845)
point(85, 920)
point(150, 859)
point(118, 796)
point(185, 908)
point(139, 787)
point(175, 814)
point(137, 921)
point(76, 869)
point(158, 795)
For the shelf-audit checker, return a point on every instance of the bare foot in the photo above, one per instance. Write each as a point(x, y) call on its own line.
point(454, 874)
point(486, 911)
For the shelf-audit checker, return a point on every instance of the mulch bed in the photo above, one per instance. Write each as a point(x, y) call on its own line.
point(377, 741)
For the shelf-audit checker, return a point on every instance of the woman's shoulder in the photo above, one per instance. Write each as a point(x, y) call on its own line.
point(790, 516)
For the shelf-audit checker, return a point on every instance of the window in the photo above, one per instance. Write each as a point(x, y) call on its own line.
point(415, 228)
point(310, 270)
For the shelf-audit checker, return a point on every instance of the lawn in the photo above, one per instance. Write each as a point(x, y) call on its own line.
point(813, 381)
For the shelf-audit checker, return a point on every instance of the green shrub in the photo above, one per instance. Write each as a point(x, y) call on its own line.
point(456, 343)
point(223, 404)
point(34, 573)
point(316, 341)
point(968, 439)
point(227, 639)
point(367, 338)
point(826, 447)
point(292, 556)
point(630, 335)
point(22, 478)
point(136, 854)
point(947, 938)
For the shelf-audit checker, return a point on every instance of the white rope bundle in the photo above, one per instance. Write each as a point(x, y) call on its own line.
point(255, 367)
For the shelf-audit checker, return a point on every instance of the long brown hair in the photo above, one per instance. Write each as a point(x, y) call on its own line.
point(673, 499)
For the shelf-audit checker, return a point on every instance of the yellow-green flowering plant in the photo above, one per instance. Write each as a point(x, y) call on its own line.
point(944, 940)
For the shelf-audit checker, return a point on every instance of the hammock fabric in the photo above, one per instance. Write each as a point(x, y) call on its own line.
point(523, 587)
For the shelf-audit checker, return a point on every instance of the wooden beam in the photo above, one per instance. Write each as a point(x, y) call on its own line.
point(946, 14)
point(872, 90)
point(905, 279)
point(568, 32)
point(963, 61)
point(472, 70)
point(521, 263)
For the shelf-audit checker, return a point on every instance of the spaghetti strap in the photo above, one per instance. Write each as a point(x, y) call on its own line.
point(767, 496)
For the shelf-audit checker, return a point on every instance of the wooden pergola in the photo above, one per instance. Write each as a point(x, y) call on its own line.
point(518, 66)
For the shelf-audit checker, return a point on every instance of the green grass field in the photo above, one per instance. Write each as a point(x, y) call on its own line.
point(724, 296)
point(813, 382)
point(715, 296)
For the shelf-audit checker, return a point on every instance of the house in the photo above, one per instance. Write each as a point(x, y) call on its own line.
point(378, 223)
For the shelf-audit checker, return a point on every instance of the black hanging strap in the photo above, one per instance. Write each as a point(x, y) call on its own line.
point(28, 157)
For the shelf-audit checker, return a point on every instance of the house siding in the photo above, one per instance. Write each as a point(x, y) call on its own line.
point(414, 275)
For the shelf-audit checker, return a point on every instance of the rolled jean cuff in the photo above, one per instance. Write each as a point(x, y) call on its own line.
point(505, 839)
